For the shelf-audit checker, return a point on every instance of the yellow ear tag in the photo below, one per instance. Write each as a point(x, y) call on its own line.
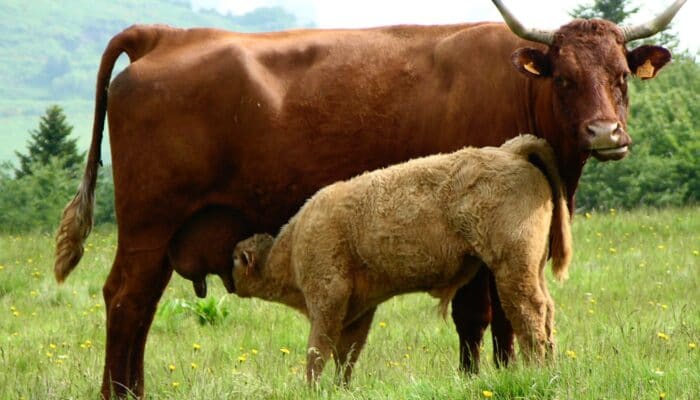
point(530, 67)
point(646, 70)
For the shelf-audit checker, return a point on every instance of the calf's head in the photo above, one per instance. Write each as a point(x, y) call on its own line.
point(249, 256)
point(588, 64)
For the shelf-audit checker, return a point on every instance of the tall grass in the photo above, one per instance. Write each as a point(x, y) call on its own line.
point(628, 328)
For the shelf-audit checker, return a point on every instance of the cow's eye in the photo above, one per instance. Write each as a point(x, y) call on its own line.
point(563, 82)
point(624, 77)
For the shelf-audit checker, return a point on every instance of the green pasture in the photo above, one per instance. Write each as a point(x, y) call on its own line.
point(628, 327)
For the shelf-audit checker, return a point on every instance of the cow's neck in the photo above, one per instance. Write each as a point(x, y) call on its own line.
point(570, 159)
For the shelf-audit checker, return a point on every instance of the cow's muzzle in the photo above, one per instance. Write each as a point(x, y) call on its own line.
point(606, 140)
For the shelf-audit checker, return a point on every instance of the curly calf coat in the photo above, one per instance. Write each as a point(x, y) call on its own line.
point(424, 225)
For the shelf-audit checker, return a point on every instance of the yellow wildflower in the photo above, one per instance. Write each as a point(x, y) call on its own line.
point(193, 365)
point(171, 367)
point(284, 350)
point(382, 324)
point(662, 395)
point(196, 346)
point(692, 345)
point(571, 354)
point(176, 384)
point(663, 336)
point(487, 393)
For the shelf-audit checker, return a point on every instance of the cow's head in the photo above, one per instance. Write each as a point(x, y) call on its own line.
point(588, 65)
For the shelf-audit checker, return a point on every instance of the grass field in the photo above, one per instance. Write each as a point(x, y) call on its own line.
point(628, 327)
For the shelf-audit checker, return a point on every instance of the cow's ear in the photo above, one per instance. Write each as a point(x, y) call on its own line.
point(531, 62)
point(646, 61)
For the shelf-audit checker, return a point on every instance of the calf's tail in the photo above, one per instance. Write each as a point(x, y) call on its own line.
point(540, 154)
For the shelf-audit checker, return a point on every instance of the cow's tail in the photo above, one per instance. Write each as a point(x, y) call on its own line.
point(539, 153)
point(77, 218)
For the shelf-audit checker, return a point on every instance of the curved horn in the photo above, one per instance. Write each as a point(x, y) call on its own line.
point(535, 35)
point(654, 26)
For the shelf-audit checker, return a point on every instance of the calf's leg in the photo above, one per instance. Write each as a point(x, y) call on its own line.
point(327, 304)
point(352, 340)
point(549, 319)
point(525, 305)
point(131, 293)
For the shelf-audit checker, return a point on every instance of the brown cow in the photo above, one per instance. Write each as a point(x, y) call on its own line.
point(208, 125)
point(423, 225)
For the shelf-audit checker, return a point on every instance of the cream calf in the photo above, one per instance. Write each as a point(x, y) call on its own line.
point(424, 225)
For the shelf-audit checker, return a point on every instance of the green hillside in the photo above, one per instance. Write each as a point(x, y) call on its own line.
point(50, 51)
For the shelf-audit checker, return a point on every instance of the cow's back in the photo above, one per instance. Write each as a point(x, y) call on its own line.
point(258, 122)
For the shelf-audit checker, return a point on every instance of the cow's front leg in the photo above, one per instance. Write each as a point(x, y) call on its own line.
point(501, 329)
point(471, 313)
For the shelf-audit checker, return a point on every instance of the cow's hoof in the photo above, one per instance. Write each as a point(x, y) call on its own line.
point(200, 287)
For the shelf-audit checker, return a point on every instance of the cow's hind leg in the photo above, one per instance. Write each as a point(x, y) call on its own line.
point(501, 329)
point(352, 340)
point(133, 288)
point(471, 313)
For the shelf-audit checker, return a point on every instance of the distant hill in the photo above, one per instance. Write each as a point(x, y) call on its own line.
point(50, 52)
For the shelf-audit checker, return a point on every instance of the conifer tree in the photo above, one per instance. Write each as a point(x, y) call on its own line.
point(616, 11)
point(50, 140)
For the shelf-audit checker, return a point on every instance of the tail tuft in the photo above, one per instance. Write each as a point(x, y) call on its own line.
point(76, 224)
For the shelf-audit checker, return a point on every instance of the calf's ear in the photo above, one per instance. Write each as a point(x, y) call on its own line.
point(248, 258)
point(645, 61)
point(531, 62)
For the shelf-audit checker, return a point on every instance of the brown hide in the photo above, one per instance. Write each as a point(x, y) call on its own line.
point(251, 125)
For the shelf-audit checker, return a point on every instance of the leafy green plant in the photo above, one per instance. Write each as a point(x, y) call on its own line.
point(210, 311)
